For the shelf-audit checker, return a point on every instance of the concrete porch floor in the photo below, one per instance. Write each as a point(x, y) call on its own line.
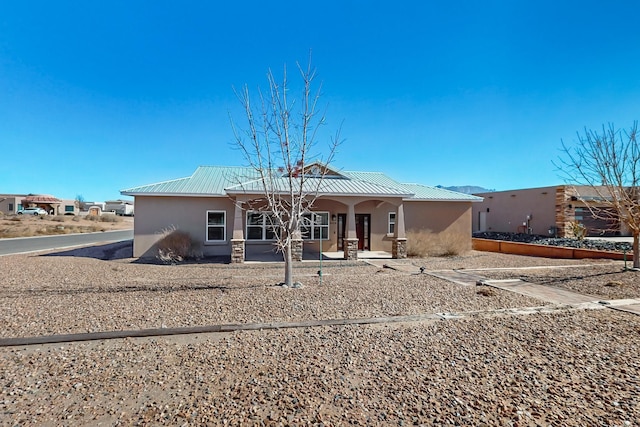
point(272, 256)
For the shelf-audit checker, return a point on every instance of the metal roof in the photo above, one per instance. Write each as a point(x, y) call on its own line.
point(223, 180)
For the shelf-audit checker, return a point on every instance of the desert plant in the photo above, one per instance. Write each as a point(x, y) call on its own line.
point(174, 246)
point(578, 230)
point(58, 218)
point(110, 218)
point(425, 243)
point(93, 218)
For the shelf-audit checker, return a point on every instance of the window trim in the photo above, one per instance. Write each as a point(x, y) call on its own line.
point(313, 226)
point(223, 226)
point(264, 226)
point(391, 223)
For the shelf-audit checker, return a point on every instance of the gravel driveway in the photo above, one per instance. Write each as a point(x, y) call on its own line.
point(560, 368)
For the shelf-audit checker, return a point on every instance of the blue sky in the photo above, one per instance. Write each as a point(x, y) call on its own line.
point(96, 97)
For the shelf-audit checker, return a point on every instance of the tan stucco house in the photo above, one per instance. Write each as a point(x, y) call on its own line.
point(545, 211)
point(355, 212)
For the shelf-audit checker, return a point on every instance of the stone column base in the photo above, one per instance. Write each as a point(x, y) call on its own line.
point(237, 251)
point(296, 249)
point(350, 249)
point(399, 248)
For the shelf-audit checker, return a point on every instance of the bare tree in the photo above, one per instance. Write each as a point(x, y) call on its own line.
point(277, 143)
point(609, 162)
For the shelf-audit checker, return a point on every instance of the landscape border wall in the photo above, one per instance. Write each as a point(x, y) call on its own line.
point(529, 249)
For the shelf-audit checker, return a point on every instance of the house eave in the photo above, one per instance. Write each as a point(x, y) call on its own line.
point(442, 200)
point(143, 194)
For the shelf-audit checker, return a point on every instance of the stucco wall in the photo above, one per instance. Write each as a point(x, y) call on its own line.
point(155, 214)
point(449, 220)
point(507, 211)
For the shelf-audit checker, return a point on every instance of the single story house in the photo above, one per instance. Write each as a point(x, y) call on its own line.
point(12, 203)
point(550, 211)
point(354, 211)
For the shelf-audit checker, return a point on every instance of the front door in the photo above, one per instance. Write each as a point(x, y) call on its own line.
point(363, 231)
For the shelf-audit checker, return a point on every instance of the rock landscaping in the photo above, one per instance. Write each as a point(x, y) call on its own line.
point(594, 244)
point(484, 367)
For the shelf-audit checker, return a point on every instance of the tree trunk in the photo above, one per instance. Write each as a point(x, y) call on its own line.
point(636, 250)
point(288, 265)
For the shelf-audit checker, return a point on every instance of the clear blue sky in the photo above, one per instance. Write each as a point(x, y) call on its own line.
point(100, 96)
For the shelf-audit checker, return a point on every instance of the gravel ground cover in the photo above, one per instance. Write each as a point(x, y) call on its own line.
point(565, 368)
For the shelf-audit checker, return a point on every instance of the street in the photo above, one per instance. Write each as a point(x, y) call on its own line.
point(43, 243)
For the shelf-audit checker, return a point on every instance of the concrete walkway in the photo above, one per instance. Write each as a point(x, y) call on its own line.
point(546, 293)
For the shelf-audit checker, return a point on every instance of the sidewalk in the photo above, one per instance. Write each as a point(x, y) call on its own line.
point(546, 293)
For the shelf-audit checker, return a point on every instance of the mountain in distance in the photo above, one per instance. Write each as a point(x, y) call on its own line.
point(466, 189)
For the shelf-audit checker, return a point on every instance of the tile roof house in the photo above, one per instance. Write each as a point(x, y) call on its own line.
point(355, 211)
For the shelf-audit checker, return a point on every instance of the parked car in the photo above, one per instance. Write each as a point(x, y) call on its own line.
point(32, 211)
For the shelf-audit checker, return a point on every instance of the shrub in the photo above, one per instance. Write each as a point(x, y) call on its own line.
point(110, 218)
point(579, 231)
point(424, 243)
point(174, 246)
point(58, 218)
point(93, 218)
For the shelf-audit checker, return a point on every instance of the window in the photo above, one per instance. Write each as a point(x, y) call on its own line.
point(216, 226)
point(260, 226)
point(10, 207)
point(69, 208)
point(315, 226)
point(391, 229)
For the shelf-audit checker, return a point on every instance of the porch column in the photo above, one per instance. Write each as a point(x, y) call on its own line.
point(237, 240)
point(399, 245)
point(350, 243)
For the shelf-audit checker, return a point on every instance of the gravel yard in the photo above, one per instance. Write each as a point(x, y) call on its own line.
point(566, 368)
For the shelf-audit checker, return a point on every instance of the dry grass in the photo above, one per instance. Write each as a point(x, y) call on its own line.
point(12, 226)
point(424, 243)
point(175, 246)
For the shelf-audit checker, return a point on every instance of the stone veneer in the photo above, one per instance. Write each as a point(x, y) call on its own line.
point(237, 251)
point(565, 214)
point(296, 249)
point(399, 248)
point(350, 249)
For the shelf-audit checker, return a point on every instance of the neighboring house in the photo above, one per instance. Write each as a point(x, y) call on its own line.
point(356, 211)
point(119, 207)
point(550, 211)
point(11, 203)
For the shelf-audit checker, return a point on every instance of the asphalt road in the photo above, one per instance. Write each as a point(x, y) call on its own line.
point(45, 243)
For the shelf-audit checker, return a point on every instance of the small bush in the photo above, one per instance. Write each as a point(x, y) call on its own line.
point(486, 291)
point(58, 218)
point(424, 243)
point(16, 218)
point(110, 218)
point(95, 218)
point(175, 246)
point(579, 231)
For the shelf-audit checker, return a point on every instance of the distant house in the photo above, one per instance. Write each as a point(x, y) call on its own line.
point(356, 211)
point(545, 211)
point(11, 203)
